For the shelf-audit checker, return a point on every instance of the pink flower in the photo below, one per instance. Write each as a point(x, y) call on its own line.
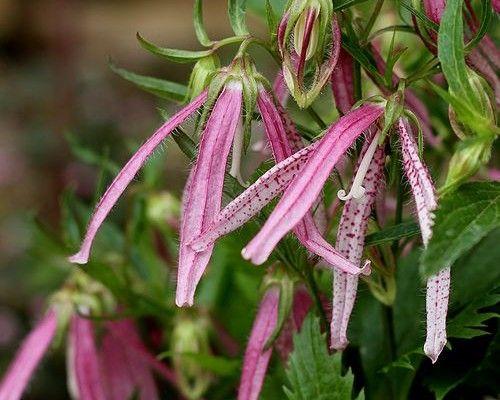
point(271, 184)
point(350, 241)
point(19, 373)
point(305, 187)
point(438, 286)
point(125, 176)
point(342, 80)
point(84, 378)
point(256, 358)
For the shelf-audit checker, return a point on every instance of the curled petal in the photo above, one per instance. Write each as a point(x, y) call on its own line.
point(28, 357)
point(126, 175)
point(256, 359)
point(203, 196)
point(305, 188)
point(350, 243)
point(84, 379)
point(438, 286)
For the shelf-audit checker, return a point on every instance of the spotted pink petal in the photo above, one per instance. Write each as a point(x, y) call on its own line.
point(203, 196)
point(438, 286)
point(253, 199)
point(304, 189)
point(343, 82)
point(256, 359)
point(126, 175)
point(434, 9)
point(84, 378)
point(28, 357)
point(350, 242)
point(125, 373)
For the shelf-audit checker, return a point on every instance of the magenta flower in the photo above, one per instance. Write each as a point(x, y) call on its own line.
point(84, 378)
point(342, 80)
point(256, 358)
point(304, 188)
point(351, 238)
point(434, 9)
point(203, 193)
point(269, 185)
point(126, 175)
point(19, 373)
point(438, 286)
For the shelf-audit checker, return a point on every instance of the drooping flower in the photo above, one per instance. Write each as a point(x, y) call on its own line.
point(256, 358)
point(342, 80)
point(271, 184)
point(351, 238)
point(125, 176)
point(84, 378)
point(304, 189)
point(28, 357)
point(438, 286)
point(306, 32)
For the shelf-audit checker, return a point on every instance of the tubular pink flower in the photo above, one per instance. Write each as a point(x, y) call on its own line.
point(438, 286)
point(256, 359)
point(350, 242)
point(125, 333)
point(496, 5)
point(204, 194)
point(267, 187)
point(434, 9)
point(28, 357)
point(124, 372)
point(304, 189)
point(126, 175)
point(343, 82)
point(84, 378)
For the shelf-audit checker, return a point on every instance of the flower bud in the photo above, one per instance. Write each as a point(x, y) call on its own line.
point(189, 338)
point(201, 75)
point(309, 43)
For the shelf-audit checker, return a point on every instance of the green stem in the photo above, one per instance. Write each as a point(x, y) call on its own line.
point(371, 21)
point(313, 288)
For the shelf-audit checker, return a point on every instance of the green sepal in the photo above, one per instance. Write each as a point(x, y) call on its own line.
point(201, 75)
point(286, 285)
point(175, 55)
point(236, 10)
point(393, 110)
point(199, 28)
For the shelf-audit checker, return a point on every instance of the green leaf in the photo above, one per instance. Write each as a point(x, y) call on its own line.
point(431, 25)
point(451, 51)
point(462, 220)
point(199, 28)
point(470, 321)
point(312, 372)
point(179, 56)
point(342, 5)
point(272, 18)
point(159, 87)
point(395, 232)
point(236, 11)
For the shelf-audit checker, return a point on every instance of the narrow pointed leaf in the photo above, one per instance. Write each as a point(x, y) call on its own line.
point(199, 28)
point(237, 12)
point(179, 56)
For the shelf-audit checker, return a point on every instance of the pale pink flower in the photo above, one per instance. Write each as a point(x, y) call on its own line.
point(438, 286)
point(28, 357)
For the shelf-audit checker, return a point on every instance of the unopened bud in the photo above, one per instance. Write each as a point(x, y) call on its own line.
point(201, 75)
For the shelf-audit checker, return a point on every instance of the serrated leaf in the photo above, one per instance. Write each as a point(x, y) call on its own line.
point(395, 232)
point(236, 11)
point(470, 321)
point(312, 372)
point(199, 28)
point(159, 87)
point(179, 56)
point(462, 220)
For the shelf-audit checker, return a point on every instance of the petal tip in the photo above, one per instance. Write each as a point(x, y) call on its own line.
point(433, 351)
point(366, 269)
point(79, 258)
point(339, 344)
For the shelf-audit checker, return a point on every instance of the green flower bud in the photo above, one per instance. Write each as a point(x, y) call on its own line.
point(201, 75)
point(190, 338)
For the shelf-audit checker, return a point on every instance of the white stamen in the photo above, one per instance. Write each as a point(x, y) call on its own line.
point(357, 190)
point(235, 170)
